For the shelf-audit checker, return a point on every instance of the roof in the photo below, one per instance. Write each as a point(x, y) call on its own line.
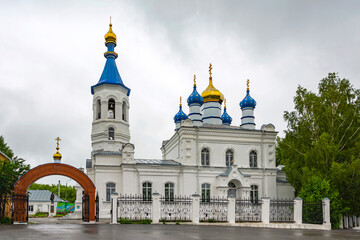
point(42, 196)
point(5, 156)
point(157, 162)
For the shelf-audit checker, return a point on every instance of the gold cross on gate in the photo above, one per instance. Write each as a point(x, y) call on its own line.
point(210, 68)
point(57, 141)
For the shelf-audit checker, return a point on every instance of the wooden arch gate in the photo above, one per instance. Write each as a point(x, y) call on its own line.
point(21, 186)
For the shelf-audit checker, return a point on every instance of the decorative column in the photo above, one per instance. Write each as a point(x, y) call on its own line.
point(155, 207)
point(114, 218)
point(298, 202)
point(326, 212)
point(195, 208)
point(265, 210)
point(231, 210)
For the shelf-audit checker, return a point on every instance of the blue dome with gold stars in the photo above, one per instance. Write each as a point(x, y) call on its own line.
point(225, 117)
point(248, 101)
point(195, 97)
point(180, 115)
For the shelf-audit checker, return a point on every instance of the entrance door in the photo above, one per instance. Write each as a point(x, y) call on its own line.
point(97, 207)
point(20, 205)
point(232, 189)
point(85, 208)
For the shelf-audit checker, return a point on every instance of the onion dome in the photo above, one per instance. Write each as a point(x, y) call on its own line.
point(110, 36)
point(248, 101)
point(195, 97)
point(225, 117)
point(180, 115)
point(57, 155)
point(211, 94)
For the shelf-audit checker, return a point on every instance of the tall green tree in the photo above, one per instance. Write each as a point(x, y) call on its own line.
point(10, 171)
point(323, 139)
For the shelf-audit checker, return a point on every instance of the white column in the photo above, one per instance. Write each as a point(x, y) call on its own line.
point(231, 210)
point(195, 208)
point(298, 202)
point(114, 218)
point(326, 212)
point(155, 207)
point(265, 210)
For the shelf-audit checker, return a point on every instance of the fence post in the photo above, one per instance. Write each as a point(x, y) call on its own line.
point(195, 208)
point(326, 211)
point(265, 210)
point(114, 197)
point(298, 210)
point(155, 207)
point(231, 210)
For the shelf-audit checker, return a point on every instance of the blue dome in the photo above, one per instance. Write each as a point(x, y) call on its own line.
point(226, 119)
point(180, 116)
point(195, 97)
point(248, 102)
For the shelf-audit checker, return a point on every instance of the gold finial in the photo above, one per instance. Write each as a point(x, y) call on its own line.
point(110, 19)
point(194, 80)
point(210, 68)
point(180, 102)
point(247, 84)
point(224, 103)
point(110, 36)
point(57, 155)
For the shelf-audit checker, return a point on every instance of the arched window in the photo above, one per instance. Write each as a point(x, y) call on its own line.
point(147, 191)
point(110, 188)
point(254, 194)
point(98, 109)
point(253, 159)
point(232, 189)
point(205, 157)
point(111, 108)
point(229, 157)
point(205, 192)
point(169, 192)
point(111, 133)
point(124, 111)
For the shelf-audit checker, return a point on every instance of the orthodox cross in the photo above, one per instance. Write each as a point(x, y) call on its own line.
point(180, 101)
point(224, 103)
point(57, 141)
point(194, 80)
point(247, 84)
point(210, 68)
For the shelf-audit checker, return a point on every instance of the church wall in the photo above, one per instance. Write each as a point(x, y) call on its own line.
point(285, 191)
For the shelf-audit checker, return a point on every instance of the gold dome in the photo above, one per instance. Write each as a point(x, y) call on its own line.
point(110, 36)
point(211, 94)
point(57, 155)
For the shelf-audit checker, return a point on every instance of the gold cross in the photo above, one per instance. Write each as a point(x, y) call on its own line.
point(57, 141)
point(180, 100)
point(247, 84)
point(225, 103)
point(110, 19)
point(210, 68)
point(194, 79)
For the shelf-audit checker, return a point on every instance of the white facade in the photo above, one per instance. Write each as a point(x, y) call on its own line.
point(206, 155)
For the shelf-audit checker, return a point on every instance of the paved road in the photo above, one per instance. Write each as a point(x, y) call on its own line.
point(159, 232)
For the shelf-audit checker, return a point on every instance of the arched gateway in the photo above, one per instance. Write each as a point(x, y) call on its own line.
point(21, 186)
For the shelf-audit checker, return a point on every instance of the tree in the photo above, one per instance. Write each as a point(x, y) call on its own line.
point(10, 171)
point(323, 139)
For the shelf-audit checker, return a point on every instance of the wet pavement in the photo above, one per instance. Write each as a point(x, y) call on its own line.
point(158, 232)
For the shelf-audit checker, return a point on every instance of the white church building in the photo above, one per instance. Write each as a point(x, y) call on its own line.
point(205, 155)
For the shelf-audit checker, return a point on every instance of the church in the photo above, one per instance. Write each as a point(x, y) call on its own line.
point(205, 155)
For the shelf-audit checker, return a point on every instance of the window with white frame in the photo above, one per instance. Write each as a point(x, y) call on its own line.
point(169, 192)
point(31, 208)
point(254, 194)
point(253, 159)
point(205, 157)
point(229, 156)
point(147, 191)
point(110, 188)
point(205, 192)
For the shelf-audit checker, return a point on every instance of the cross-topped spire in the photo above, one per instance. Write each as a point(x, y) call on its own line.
point(180, 102)
point(194, 80)
point(224, 103)
point(57, 142)
point(210, 68)
point(57, 156)
point(247, 84)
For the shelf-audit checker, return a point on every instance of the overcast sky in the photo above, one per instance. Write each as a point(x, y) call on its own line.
point(51, 52)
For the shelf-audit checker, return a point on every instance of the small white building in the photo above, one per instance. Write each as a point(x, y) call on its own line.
point(205, 155)
point(39, 201)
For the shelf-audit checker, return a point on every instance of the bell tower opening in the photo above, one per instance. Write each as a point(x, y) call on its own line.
point(111, 109)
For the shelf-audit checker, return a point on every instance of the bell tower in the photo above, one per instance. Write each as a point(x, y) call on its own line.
point(110, 125)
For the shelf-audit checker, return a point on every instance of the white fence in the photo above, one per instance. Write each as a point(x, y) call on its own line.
point(191, 209)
